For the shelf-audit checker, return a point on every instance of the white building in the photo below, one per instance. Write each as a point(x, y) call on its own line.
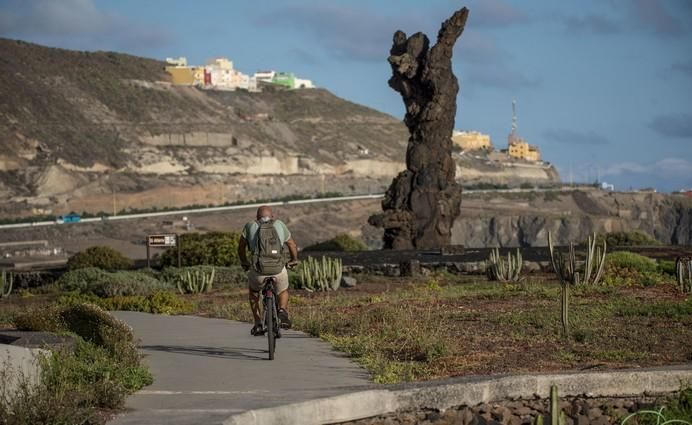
point(181, 61)
point(303, 84)
point(265, 76)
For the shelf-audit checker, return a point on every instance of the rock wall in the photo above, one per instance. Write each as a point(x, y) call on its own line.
point(573, 216)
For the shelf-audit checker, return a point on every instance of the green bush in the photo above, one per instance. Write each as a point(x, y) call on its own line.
point(87, 321)
point(213, 249)
point(628, 268)
point(342, 242)
point(75, 383)
point(157, 302)
point(106, 284)
point(102, 257)
point(630, 260)
point(634, 238)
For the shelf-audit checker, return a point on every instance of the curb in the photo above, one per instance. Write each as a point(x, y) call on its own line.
point(441, 395)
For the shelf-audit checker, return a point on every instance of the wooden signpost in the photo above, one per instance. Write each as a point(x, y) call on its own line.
point(163, 240)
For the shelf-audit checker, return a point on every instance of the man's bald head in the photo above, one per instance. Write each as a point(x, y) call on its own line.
point(264, 211)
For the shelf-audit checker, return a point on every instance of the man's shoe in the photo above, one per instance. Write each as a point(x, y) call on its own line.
point(257, 330)
point(283, 318)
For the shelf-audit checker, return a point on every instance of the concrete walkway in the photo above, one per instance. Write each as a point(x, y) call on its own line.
point(206, 370)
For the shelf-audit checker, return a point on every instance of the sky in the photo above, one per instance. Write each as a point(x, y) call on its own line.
point(603, 87)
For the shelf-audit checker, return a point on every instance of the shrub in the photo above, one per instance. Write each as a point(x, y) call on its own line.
point(342, 242)
point(72, 385)
point(214, 249)
point(102, 257)
point(87, 321)
point(635, 238)
point(105, 284)
point(628, 268)
point(157, 302)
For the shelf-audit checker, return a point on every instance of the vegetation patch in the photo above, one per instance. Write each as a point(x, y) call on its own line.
point(75, 384)
point(342, 243)
point(634, 238)
point(628, 268)
point(157, 302)
point(102, 257)
point(110, 284)
point(213, 249)
point(446, 325)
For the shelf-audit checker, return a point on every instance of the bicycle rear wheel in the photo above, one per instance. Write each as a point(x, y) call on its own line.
point(270, 316)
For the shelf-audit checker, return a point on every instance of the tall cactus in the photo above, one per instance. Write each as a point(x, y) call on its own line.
point(569, 274)
point(683, 268)
point(502, 270)
point(195, 281)
point(321, 275)
point(566, 268)
point(6, 284)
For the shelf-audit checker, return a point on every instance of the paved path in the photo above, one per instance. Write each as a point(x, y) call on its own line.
point(208, 369)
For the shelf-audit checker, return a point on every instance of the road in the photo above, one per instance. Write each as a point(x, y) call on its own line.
point(205, 370)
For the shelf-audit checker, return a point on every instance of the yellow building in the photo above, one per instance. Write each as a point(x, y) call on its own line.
point(181, 75)
point(471, 140)
point(518, 148)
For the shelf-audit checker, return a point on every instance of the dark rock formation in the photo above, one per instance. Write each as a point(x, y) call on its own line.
point(423, 201)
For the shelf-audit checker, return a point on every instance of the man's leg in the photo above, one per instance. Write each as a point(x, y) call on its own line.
point(254, 305)
point(283, 300)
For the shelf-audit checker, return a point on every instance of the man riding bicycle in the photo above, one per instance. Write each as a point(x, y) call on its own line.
point(265, 238)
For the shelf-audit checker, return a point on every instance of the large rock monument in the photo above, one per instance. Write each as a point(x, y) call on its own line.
point(423, 201)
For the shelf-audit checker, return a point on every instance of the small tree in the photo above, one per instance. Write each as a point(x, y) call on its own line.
point(102, 257)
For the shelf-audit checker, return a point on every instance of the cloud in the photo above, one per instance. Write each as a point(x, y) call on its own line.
point(346, 31)
point(654, 16)
point(498, 76)
point(77, 24)
point(667, 167)
point(593, 24)
point(684, 68)
point(495, 13)
point(677, 126)
point(573, 137)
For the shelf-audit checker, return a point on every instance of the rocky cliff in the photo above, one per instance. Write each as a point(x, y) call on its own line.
point(524, 219)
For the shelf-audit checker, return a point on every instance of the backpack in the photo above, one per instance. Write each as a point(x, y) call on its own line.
point(268, 258)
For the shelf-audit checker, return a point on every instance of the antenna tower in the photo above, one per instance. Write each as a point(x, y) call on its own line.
point(514, 118)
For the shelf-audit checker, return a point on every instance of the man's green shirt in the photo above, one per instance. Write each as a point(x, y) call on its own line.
point(250, 233)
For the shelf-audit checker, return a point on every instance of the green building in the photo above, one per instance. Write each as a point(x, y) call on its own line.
point(287, 79)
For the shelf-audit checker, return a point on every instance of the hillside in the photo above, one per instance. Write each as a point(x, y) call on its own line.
point(98, 131)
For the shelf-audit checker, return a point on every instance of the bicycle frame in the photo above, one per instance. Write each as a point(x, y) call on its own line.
point(270, 303)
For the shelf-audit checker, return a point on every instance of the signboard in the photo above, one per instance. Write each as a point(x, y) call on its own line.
point(162, 240)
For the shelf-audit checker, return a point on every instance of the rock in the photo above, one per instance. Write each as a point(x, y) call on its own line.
point(410, 268)
point(348, 282)
point(423, 201)
point(594, 412)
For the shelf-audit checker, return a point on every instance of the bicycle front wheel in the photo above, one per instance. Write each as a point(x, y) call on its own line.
point(270, 315)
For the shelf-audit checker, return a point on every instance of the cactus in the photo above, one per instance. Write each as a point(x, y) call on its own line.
point(321, 275)
point(683, 268)
point(195, 281)
point(6, 284)
point(503, 270)
point(568, 273)
point(566, 268)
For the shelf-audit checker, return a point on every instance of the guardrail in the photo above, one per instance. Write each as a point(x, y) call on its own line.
point(192, 211)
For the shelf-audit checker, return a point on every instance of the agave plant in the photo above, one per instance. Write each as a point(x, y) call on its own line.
point(195, 281)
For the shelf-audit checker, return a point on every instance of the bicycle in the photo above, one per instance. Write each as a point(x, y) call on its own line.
point(270, 303)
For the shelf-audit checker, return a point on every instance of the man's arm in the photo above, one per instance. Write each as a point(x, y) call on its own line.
point(293, 250)
point(242, 253)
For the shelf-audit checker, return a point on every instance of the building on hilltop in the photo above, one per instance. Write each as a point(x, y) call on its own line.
point(517, 147)
point(218, 74)
point(181, 61)
point(471, 140)
point(284, 79)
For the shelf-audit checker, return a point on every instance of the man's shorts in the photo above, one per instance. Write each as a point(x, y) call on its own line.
point(255, 281)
